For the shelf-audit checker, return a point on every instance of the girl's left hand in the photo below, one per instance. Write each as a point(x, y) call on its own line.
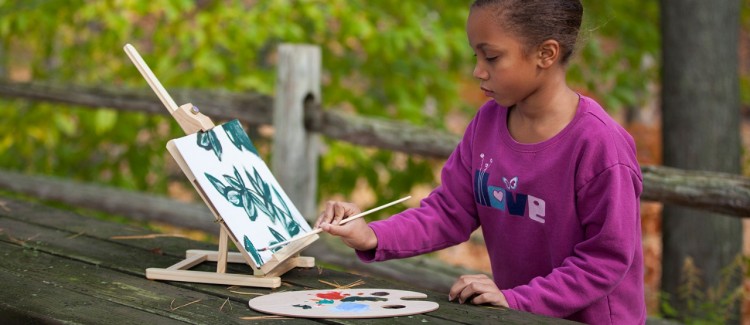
point(477, 289)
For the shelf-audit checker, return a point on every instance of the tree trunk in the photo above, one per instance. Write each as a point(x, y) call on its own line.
point(700, 102)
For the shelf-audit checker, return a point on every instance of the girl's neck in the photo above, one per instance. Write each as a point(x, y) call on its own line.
point(544, 113)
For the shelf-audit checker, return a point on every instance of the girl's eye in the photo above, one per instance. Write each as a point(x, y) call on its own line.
point(488, 58)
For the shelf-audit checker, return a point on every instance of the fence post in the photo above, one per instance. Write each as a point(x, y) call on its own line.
point(295, 152)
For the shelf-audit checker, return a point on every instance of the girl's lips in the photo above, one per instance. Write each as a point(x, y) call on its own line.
point(487, 92)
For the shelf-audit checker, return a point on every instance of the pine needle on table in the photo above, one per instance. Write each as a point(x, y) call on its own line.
point(247, 293)
point(150, 236)
point(226, 302)
point(171, 305)
point(76, 235)
point(347, 286)
point(4, 206)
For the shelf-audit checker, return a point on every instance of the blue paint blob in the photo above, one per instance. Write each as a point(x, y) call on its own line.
point(351, 307)
point(302, 306)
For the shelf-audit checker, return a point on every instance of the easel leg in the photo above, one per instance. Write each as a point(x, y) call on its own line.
point(221, 263)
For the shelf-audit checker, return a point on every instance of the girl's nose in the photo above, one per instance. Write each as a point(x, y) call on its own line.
point(480, 73)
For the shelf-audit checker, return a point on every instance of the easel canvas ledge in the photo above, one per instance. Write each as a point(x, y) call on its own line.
point(268, 274)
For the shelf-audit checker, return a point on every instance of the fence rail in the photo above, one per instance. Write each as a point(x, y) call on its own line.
point(252, 109)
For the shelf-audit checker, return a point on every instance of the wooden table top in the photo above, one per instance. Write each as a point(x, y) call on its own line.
point(60, 266)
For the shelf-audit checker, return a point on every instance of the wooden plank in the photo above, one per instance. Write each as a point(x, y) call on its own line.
point(72, 291)
point(82, 247)
point(96, 248)
point(96, 251)
point(33, 299)
point(22, 303)
point(38, 214)
point(105, 253)
point(85, 275)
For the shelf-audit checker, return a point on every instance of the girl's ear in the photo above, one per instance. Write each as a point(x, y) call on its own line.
point(548, 53)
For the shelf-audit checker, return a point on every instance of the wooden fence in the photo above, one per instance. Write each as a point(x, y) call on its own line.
point(298, 119)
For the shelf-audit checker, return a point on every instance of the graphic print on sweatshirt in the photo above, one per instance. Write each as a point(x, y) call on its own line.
point(506, 199)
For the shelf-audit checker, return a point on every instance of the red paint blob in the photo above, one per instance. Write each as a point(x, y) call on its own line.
point(335, 295)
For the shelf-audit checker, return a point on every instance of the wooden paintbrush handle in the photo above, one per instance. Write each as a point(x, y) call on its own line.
point(354, 217)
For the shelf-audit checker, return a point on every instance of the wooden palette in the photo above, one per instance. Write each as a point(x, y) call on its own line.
point(345, 303)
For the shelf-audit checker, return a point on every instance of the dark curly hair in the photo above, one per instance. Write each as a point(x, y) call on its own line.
point(535, 21)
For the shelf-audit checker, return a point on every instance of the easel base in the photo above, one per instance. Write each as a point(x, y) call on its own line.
point(180, 271)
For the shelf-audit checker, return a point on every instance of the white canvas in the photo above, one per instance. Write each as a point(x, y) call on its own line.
point(242, 189)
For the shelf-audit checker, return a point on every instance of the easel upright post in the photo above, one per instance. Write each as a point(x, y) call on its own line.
point(295, 150)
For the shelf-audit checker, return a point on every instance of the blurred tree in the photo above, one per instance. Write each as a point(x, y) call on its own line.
point(374, 60)
point(395, 59)
point(700, 103)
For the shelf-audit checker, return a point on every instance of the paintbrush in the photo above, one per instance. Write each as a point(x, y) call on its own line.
point(354, 217)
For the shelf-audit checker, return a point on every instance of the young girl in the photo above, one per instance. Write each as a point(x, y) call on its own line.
point(550, 177)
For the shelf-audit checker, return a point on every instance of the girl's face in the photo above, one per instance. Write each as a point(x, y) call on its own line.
point(505, 72)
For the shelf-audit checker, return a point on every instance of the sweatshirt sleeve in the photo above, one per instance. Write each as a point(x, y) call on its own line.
point(608, 207)
point(444, 218)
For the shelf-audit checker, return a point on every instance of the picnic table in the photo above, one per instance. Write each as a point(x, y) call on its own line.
point(61, 266)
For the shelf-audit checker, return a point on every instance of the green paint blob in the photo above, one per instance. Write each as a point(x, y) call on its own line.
point(238, 137)
point(325, 302)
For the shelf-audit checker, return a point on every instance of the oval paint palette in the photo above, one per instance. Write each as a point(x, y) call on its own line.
point(344, 303)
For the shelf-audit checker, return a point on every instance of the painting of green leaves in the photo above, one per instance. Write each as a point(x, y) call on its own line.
point(242, 189)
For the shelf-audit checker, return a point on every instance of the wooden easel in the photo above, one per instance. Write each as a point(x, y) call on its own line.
point(191, 120)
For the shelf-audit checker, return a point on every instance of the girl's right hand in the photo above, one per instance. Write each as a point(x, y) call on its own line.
point(355, 234)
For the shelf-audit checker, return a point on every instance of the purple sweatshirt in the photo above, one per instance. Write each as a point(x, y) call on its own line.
point(560, 218)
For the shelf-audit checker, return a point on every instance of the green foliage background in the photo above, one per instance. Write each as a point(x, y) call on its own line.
point(405, 60)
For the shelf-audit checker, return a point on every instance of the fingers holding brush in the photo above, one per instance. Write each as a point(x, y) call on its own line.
point(335, 220)
point(335, 212)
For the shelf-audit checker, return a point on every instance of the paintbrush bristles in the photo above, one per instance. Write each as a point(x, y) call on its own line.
point(354, 217)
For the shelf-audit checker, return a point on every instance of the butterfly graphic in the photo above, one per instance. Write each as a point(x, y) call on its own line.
point(512, 184)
